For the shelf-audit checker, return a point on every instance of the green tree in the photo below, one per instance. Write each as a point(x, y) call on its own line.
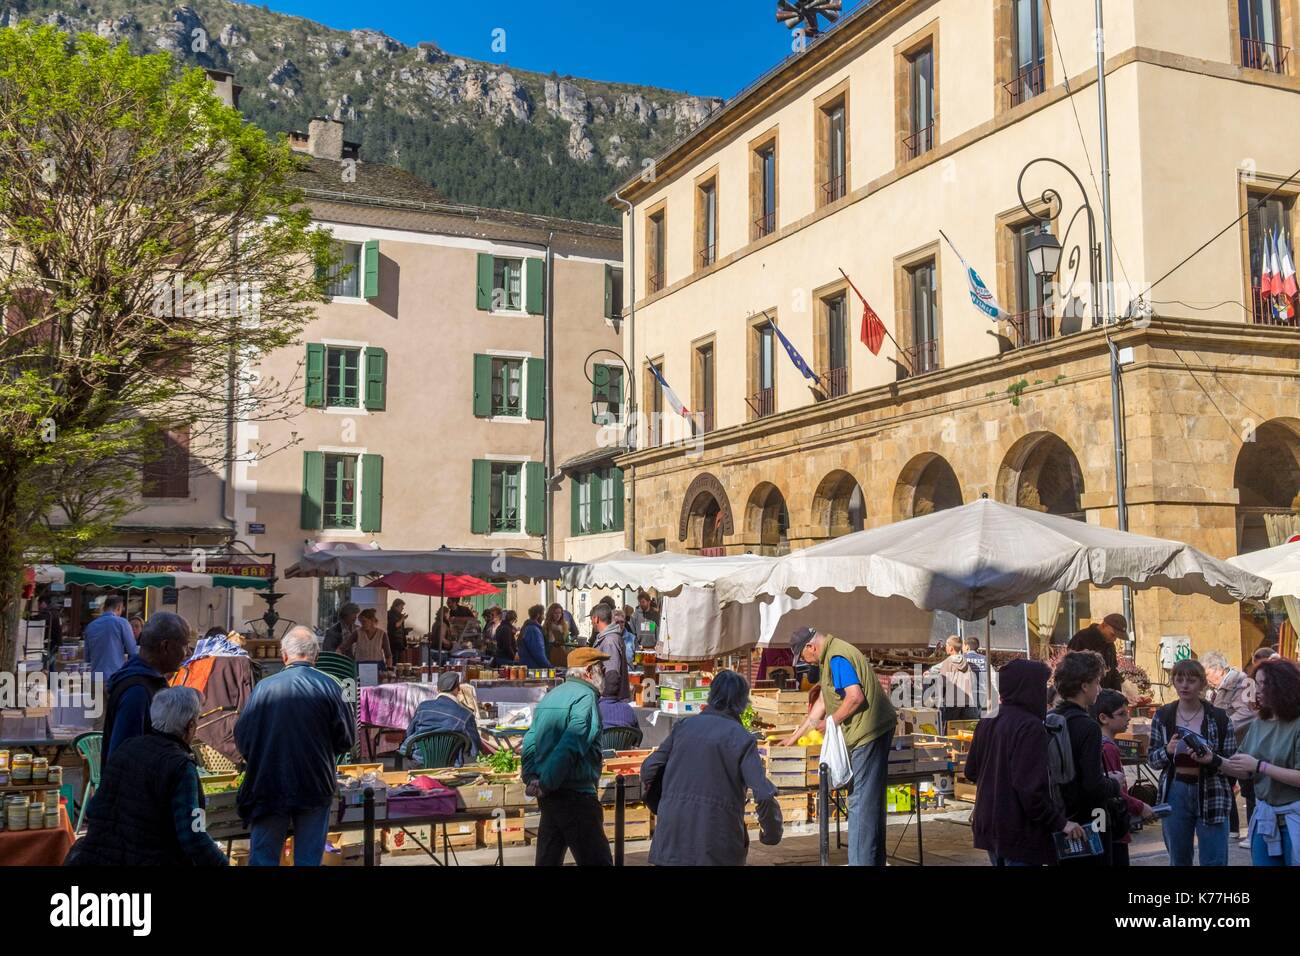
point(153, 250)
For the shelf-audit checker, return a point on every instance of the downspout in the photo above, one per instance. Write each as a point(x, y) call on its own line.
point(630, 439)
point(227, 472)
point(548, 353)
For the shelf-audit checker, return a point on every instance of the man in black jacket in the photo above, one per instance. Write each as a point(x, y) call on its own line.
point(1078, 680)
point(147, 810)
point(1102, 639)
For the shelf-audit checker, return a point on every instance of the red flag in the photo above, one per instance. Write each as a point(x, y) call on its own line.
point(873, 330)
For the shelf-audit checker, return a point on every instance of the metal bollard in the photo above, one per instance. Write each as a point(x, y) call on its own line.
point(368, 819)
point(823, 813)
point(620, 803)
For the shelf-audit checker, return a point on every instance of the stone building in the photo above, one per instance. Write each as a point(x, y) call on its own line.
point(839, 165)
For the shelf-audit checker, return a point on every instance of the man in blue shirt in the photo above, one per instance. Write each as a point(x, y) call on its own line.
point(109, 639)
point(447, 711)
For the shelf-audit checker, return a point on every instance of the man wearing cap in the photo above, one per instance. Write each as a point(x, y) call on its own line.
point(852, 697)
point(562, 765)
point(1101, 638)
point(447, 711)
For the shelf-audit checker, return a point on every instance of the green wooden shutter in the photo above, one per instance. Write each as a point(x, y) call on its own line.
point(609, 292)
point(372, 492)
point(376, 379)
point(575, 528)
point(593, 502)
point(534, 286)
point(313, 490)
point(370, 265)
point(599, 386)
point(480, 498)
point(315, 376)
point(615, 391)
point(536, 401)
point(535, 492)
point(482, 386)
point(483, 288)
point(617, 476)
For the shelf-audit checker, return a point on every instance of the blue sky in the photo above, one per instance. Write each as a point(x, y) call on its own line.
point(709, 49)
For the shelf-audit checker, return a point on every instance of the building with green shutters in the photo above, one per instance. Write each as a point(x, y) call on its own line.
point(428, 405)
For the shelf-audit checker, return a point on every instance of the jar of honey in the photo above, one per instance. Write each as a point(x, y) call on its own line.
point(21, 769)
point(36, 816)
point(40, 769)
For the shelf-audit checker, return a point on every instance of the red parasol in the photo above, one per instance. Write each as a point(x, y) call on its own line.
point(435, 585)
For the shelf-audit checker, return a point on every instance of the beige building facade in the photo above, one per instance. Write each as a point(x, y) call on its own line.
point(845, 163)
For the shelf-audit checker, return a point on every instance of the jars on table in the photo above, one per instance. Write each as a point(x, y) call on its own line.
point(16, 807)
point(20, 772)
point(40, 769)
point(36, 815)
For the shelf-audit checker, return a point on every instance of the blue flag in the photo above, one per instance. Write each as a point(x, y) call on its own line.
point(795, 357)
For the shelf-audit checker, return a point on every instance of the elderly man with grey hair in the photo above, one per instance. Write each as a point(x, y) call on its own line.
point(290, 732)
point(1233, 692)
point(148, 810)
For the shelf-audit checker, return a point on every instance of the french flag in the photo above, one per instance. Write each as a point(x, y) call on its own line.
point(669, 394)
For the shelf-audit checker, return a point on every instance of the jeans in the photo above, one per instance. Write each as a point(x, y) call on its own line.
point(1259, 849)
point(575, 822)
point(309, 828)
point(1184, 826)
point(867, 802)
point(995, 860)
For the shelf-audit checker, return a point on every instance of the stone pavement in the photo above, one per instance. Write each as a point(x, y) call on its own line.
point(946, 838)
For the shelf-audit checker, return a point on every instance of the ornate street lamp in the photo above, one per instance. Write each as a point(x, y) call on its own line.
point(1045, 251)
point(600, 403)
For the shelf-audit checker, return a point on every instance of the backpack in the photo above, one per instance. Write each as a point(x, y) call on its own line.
point(1060, 758)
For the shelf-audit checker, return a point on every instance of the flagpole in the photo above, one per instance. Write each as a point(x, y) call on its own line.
point(868, 305)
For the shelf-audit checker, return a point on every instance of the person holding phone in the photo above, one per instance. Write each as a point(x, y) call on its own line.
point(1190, 741)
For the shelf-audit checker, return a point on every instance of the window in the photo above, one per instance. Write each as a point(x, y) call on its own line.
point(506, 490)
point(1032, 323)
point(763, 185)
point(613, 292)
point(167, 469)
point(921, 113)
point(706, 222)
point(836, 374)
point(702, 398)
point(582, 505)
point(657, 545)
point(654, 402)
point(607, 386)
point(342, 377)
point(507, 388)
point(762, 401)
point(832, 145)
point(1272, 286)
point(1030, 52)
point(924, 351)
point(340, 492)
point(508, 285)
point(1260, 27)
point(606, 479)
point(344, 278)
point(656, 249)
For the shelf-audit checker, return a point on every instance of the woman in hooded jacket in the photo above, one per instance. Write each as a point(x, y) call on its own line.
point(1014, 819)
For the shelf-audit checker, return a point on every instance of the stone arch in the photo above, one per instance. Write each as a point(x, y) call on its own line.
point(706, 514)
point(1267, 479)
point(767, 519)
point(927, 484)
point(1041, 472)
point(839, 506)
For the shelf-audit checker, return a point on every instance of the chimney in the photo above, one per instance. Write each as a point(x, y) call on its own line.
point(224, 85)
point(325, 138)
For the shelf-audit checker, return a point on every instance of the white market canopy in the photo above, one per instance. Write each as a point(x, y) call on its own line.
point(1280, 565)
point(666, 572)
point(986, 555)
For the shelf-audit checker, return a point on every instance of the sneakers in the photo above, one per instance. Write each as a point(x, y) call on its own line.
point(1244, 844)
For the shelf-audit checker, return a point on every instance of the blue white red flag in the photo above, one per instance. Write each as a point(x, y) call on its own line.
point(669, 394)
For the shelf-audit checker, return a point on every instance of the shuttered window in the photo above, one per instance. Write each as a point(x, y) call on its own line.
point(342, 377)
point(346, 377)
point(167, 466)
point(508, 284)
point(340, 492)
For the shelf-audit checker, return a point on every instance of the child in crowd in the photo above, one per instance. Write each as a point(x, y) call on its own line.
point(1111, 711)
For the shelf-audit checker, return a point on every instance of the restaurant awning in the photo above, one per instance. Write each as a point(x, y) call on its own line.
point(74, 574)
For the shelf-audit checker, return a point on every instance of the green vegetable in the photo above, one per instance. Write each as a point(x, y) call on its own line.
point(503, 761)
point(747, 717)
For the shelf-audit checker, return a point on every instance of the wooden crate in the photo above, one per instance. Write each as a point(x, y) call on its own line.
point(631, 831)
point(632, 813)
point(512, 832)
point(788, 781)
point(780, 703)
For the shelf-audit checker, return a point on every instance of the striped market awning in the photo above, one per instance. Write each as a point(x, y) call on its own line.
point(72, 574)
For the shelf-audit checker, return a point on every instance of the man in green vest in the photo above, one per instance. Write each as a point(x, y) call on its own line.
point(852, 697)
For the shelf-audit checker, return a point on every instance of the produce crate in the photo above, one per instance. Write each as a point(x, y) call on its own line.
point(780, 703)
point(515, 795)
point(631, 831)
point(511, 828)
point(481, 797)
point(682, 708)
point(963, 790)
point(794, 809)
point(917, 720)
point(812, 809)
point(400, 842)
point(605, 790)
point(632, 813)
point(349, 805)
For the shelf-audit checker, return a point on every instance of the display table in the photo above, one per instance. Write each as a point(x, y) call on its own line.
point(389, 707)
point(35, 733)
point(37, 847)
point(653, 734)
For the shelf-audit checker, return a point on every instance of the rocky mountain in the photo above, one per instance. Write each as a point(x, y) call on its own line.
point(482, 133)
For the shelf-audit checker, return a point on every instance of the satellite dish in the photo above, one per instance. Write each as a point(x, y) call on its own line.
point(804, 14)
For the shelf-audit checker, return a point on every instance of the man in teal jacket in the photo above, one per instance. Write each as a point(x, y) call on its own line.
point(562, 764)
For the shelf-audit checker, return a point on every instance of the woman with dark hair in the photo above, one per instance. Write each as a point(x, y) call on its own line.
point(369, 644)
point(504, 636)
point(1190, 741)
point(696, 782)
point(1270, 757)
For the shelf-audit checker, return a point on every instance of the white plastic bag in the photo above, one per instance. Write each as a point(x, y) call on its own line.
point(836, 756)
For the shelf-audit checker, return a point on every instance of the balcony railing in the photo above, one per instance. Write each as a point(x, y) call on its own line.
point(505, 522)
point(834, 190)
point(1030, 82)
point(837, 381)
point(1030, 328)
point(1260, 55)
point(506, 408)
point(765, 225)
point(656, 281)
point(923, 357)
point(1271, 310)
point(763, 402)
point(920, 142)
point(708, 256)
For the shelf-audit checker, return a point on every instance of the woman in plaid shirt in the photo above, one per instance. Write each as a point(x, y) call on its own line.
point(1191, 783)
